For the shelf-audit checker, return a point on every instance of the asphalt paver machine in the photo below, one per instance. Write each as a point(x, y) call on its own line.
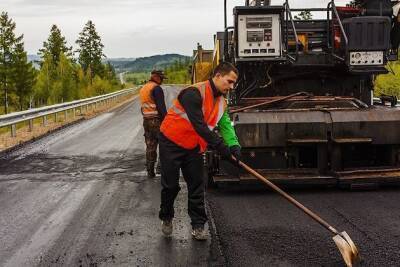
point(303, 107)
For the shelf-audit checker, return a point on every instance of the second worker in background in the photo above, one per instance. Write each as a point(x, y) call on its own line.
point(154, 111)
point(186, 132)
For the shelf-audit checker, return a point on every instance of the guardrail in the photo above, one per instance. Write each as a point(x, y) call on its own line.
point(11, 120)
point(378, 100)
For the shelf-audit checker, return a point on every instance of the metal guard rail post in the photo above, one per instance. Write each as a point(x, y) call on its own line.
point(13, 119)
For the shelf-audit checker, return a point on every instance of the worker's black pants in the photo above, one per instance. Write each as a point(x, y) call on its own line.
point(173, 159)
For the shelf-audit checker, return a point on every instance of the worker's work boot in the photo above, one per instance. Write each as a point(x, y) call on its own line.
point(150, 174)
point(158, 168)
point(150, 170)
point(199, 233)
point(166, 227)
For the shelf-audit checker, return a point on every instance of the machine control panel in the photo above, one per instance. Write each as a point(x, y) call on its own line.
point(372, 58)
point(259, 35)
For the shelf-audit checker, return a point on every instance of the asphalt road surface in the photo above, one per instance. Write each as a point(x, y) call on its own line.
point(80, 197)
point(259, 228)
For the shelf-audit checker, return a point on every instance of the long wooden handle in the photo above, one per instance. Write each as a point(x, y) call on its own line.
point(289, 198)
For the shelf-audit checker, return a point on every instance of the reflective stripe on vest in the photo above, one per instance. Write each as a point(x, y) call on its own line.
point(177, 127)
point(148, 106)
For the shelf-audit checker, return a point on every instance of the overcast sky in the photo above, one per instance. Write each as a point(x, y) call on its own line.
point(129, 28)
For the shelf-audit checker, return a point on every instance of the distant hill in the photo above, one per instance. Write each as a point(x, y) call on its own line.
point(142, 64)
point(146, 64)
point(33, 58)
point(118, 62)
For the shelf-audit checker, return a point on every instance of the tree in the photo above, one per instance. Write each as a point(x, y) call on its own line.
point(177, 72)
point(45, 80)
point(66, 83)
point(110, 74)
point(83, 80)
point(389, 84)
point(55, 45)
point(8, 44)
point(304, 15)
point(23, 77)
point(90, 50)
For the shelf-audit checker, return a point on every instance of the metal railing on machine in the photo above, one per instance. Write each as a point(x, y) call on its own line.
point(93, 103)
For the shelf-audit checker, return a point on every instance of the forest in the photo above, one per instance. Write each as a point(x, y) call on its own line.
point(61, 74)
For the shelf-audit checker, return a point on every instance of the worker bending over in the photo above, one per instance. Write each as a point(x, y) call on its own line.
point(185, 133)
point(154, 111)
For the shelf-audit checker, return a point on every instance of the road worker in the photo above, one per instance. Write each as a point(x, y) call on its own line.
point(185, 133)
point(154, 111)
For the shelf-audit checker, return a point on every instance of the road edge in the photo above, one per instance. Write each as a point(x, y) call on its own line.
point(216, 257)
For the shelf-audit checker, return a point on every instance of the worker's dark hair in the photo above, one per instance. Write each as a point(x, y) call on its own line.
point(225, 68)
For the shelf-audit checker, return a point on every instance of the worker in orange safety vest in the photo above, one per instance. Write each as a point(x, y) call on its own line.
point(153, 111)
point(185, 133)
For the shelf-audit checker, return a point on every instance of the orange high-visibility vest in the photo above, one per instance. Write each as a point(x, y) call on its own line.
point(177, 127)
point(149, 108)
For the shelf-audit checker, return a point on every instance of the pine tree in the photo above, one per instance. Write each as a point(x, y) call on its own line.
point(23, 77)
point(55, 45)
point(8, 44)
point(90, 50)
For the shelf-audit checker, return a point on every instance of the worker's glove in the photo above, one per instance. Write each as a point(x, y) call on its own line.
point(236, 152)
point(225, 152)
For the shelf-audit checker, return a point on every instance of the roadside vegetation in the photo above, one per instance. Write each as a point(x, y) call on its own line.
point(389, 84)
point(179, 72)
point(137, 77)
point(176, 67)
point(62, 75)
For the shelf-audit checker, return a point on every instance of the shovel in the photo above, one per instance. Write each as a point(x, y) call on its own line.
point(342, 240)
